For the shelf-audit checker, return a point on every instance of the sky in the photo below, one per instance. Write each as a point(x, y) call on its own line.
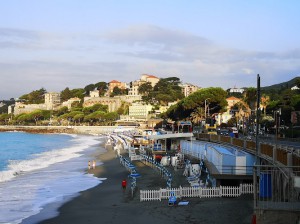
point(54, 44)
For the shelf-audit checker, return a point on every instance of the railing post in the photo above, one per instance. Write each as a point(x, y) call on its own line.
point(274, 153)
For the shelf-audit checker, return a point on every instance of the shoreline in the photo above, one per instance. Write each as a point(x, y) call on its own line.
point(106, 202)
point(92, 130)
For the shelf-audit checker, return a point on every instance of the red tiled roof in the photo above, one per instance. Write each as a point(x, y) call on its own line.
point(152, 76)
point(114, 81)
point(232, 98)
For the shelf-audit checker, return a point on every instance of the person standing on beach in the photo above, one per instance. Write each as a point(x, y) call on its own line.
point(94, 164)
point(124, 184)
point(89, 165)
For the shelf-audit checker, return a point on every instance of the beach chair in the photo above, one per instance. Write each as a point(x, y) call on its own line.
point(172, 199)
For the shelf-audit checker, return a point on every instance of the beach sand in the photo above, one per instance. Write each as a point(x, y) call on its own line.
point(107, 203)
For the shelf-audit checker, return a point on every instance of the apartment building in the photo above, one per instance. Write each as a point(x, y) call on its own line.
point(52, 100)
point(188, 89)
point(139, 111)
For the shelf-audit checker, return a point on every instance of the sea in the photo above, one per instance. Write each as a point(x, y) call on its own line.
point(40, 172)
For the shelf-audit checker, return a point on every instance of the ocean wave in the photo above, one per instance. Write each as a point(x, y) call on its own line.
point(45, 159)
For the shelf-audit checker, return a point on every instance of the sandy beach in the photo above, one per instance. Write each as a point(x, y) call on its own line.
point(107, 203)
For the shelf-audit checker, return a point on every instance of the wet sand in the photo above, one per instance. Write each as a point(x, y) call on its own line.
point(107, 203)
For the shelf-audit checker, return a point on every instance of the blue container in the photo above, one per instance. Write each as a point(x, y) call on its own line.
point(265, 185)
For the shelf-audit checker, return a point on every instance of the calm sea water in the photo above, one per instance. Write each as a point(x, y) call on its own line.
point(37, 170)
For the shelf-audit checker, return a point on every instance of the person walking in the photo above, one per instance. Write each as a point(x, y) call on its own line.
point(89, 165)
point(94, 164)
point(124, 184)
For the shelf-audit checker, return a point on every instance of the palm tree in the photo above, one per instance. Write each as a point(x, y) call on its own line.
point(264, 101)
point(197, 115)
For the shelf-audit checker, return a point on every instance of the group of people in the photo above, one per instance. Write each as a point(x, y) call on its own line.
point(93, 165)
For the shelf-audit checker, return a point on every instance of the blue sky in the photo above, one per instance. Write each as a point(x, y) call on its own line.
point(72, 43)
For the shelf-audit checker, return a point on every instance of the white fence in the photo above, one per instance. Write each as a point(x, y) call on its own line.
point(181, 192)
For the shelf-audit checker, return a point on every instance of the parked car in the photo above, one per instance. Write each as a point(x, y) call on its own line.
point(223, 132)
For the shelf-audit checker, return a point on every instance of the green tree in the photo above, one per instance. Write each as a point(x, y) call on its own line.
point(88, 88)
point(4, 118)
point(80, 93)
point(110, 117)
point(78, 117)
point(102, 87)
point(65, 94)
point(250, 97)
point(191, 105)
point(34, 97)
point(145, 88)
point(167, 90)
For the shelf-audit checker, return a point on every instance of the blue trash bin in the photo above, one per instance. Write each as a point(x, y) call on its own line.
point(265, 185)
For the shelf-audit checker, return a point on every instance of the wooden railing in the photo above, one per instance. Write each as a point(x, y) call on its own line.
point(288, 156)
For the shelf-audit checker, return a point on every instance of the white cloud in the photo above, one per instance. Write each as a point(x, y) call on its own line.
point(31, 60)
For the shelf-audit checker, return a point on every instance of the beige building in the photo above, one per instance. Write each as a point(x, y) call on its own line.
point(21, 108)
point(133, 91)
point(188, 89)
point(70, 101)
point(232, 101)
point(114, 83)
point(113, 103)
point(52, 100)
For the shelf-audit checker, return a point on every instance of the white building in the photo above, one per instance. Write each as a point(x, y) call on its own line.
point(94, 93)
point(236, 90)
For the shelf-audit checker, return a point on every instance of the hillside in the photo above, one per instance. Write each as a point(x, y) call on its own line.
point(281, 86)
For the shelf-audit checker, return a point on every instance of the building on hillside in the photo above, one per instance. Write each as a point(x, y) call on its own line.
point(21, 108)
point(188, 89)
point(150, 78)
point(294, 88)
point(70, 101)
point(231, 102)
point(133, 90)
point(114, 83)
point(113, 103)
point(129, 98)
point(226, 116)
point(52, 100)
point(140, 111)
point(236, 90)
point(223, 117)
point(94, 93)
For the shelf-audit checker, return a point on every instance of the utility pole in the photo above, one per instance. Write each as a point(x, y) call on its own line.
point(257, 118)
